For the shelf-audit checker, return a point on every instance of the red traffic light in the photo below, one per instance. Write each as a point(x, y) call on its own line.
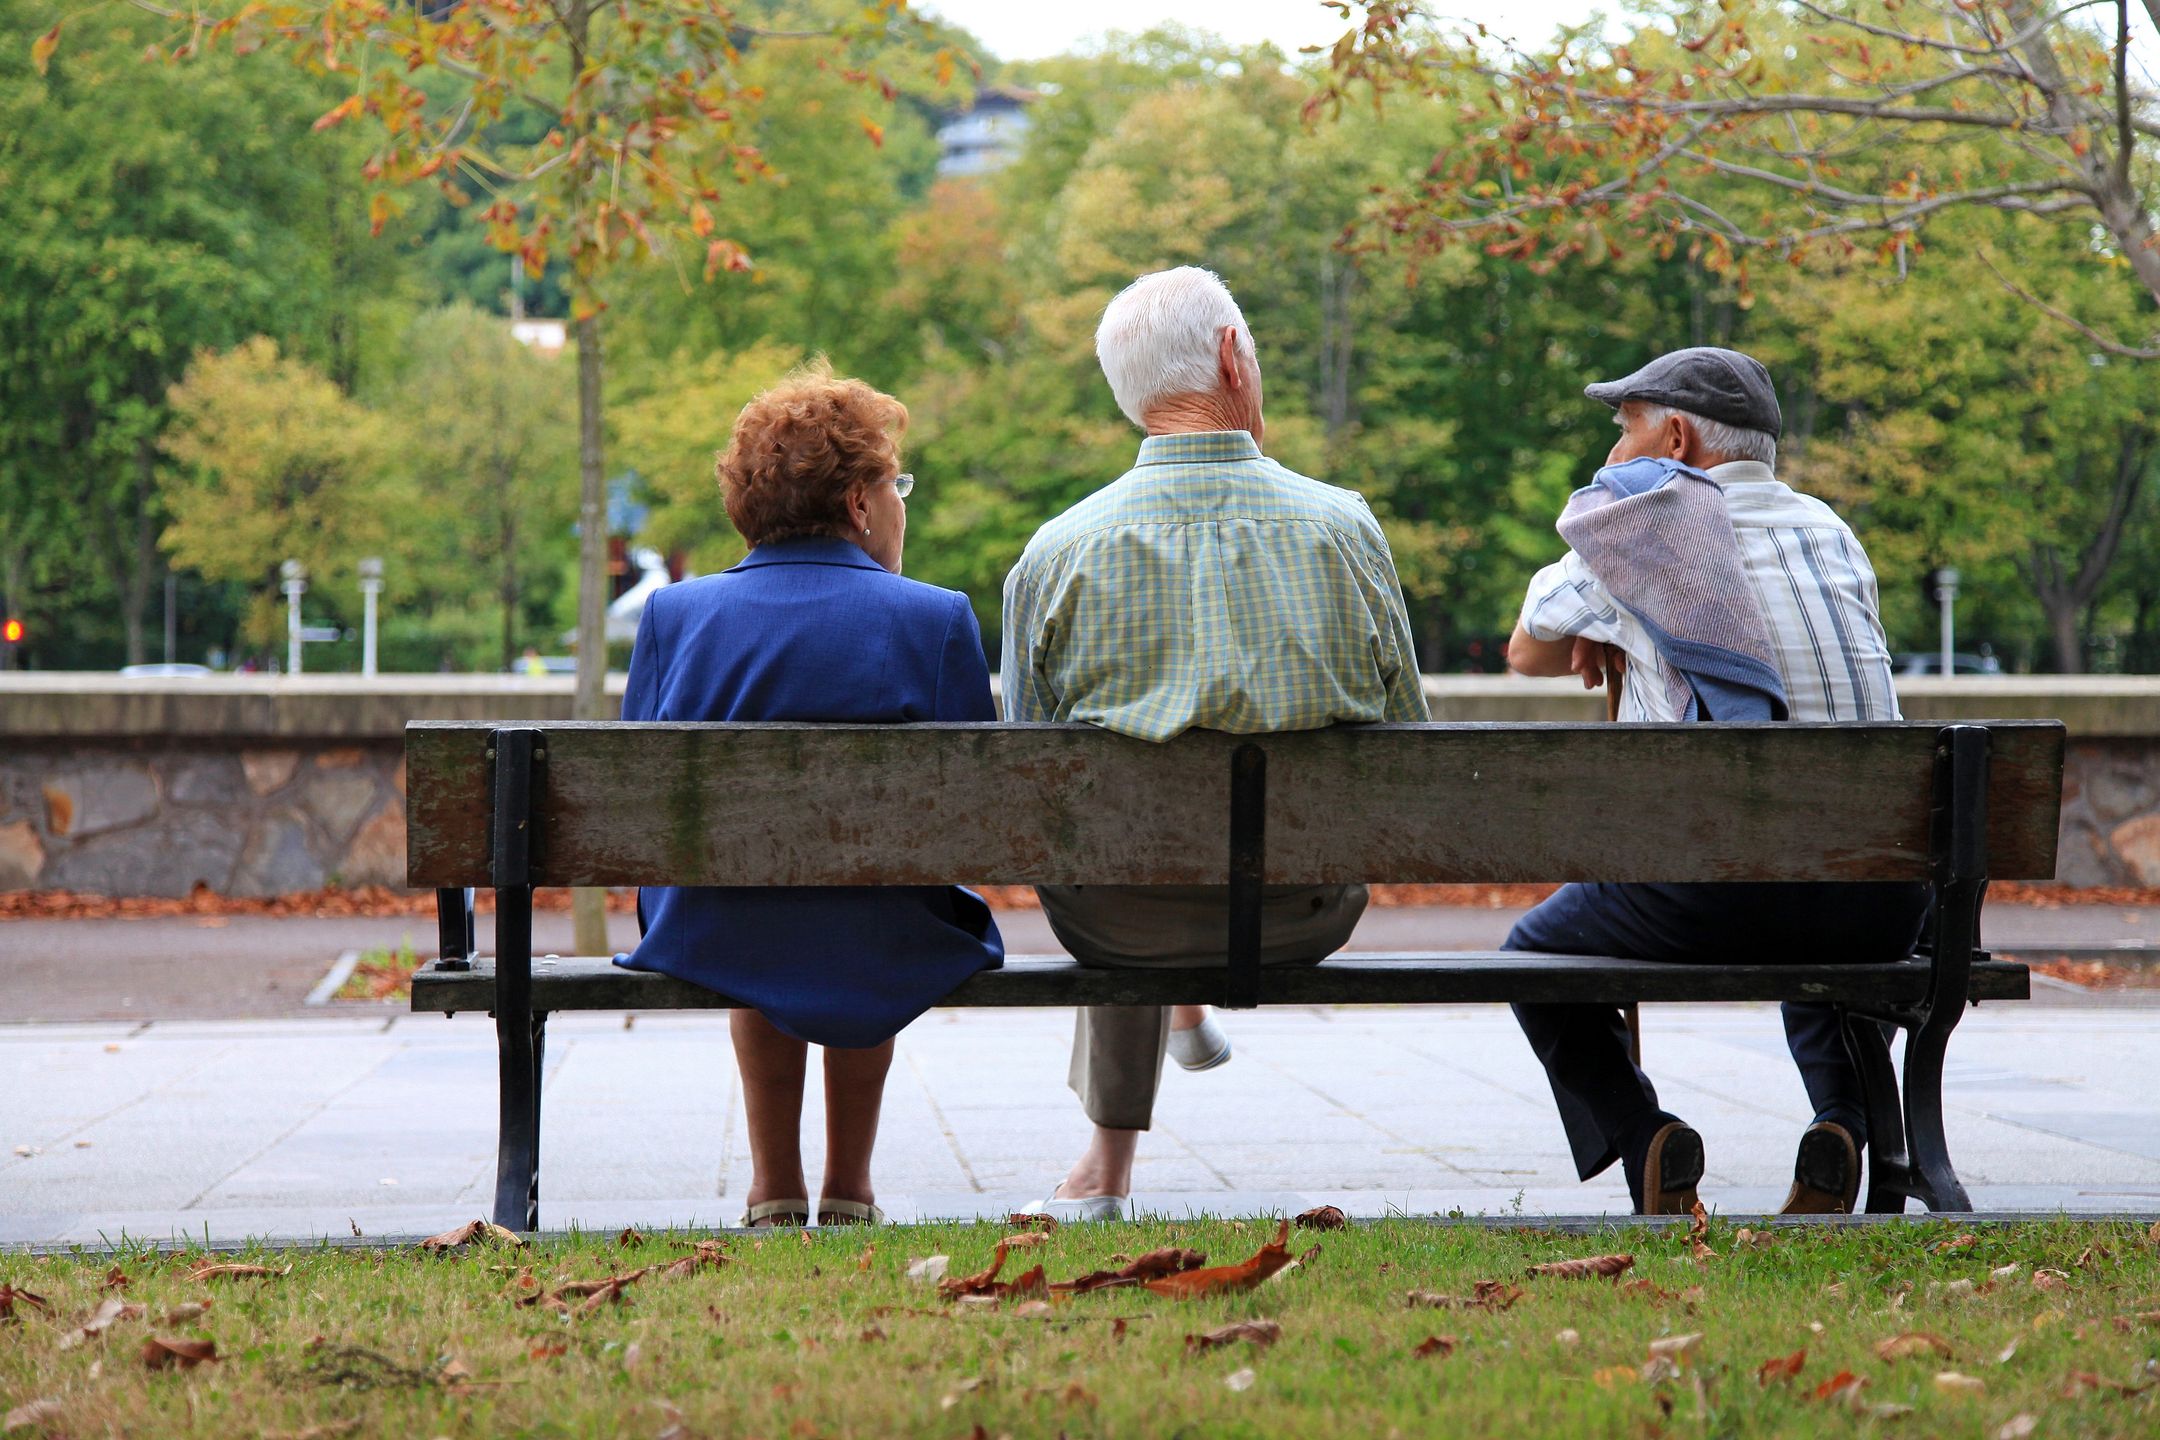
point(12, 631)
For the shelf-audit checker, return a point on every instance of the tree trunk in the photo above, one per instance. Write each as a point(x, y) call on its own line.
point(587, 907)
point(2064, 634)
point(135, 585)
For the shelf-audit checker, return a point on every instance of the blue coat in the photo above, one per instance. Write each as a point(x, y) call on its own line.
point(801, 630)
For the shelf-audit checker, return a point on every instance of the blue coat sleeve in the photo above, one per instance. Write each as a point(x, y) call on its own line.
point(963, 691)
point(641, 691)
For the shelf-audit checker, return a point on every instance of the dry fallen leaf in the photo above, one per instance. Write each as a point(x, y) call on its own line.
point(707, 1256)
point(1228, 1279)
point(1570, 1336)
point(1021, 1220)
point(1953, 1290)
point(1028, 1240)
point(1676, 1348)
point(1911, 1343)
point(2081, 1381)
point(2051, 1280)
point(159, 1353)
point(631, 1235)
point(1966, 1241)
point(1262, 1333)
point(108, 1314)
point(1698, 1234)
point(1612, 1375)
point(1746, 1239)
point(1950, 1382)
point(1151, 1266)
point(986, 1283)
point(1322, 1217)
point(1240, 1380)
point(9, 1295)
point(474, 1232)
point(2018, 1427)
point(1587, 1268)
point(1432, 1345)
point(1032, 1309)
point(330, 1431)
point(862, 1262)
point(115, 1279)
point(206, 1271)
point(1785, 1367)
point(1842, 1386)
point(36, 1412)
point(2009, 1352)
point(185, 1312)
point(548, 1350)
point(929, 1270)
point(2005, 1272)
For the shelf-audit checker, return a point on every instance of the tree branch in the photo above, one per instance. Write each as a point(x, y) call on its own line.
point(2112, 347)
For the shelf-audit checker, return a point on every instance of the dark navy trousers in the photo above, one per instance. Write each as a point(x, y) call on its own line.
point(1584, 1048)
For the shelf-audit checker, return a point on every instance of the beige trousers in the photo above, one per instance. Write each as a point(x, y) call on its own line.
point(1117, 1054)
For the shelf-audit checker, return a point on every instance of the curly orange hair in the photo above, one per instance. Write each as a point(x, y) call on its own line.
point(801, 448)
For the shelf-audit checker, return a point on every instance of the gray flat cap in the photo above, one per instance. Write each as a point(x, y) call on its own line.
point(1715, 384)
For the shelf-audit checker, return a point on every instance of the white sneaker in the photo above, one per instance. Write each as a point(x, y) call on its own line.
point(1203, 1047)
point(1088, 1207)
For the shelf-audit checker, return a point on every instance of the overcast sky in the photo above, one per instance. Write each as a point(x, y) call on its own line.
point(1031, 29)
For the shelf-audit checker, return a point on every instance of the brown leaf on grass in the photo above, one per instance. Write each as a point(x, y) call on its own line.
point(952, 1287)
point(862, 1261)
point(1028, 1240)
point(609, 1293)
point(1843, 1387)
point(1228, 1279)
point(631, 1235)
point(1020, 1220)
point(1031, 1284)
point(1698, 1234)
point(110, 1313)
point(1784, 1367)
point(2143, 1319)
point(1911, 1343)
point(1590, 1267)
point(476, 1232)
point(1965, 1241)
point(1611, 1375)
point(2018, 1427)
point(1295, 1267)
point(1746, 1239)
point(1677, 1348)
point(1440, 1345)
point(2083, 1382)
point(329, 1431)
point(1322, 1217)
point(1075, 1393)
point(2092, 1257)
point(1648, 1289)
point(1032, 1310)
point(2051, 1280)
point(35, 1412)
point(159, 1353)
point(115, 1279)
point(1262, 1333)
point(707, 1256)
point(986, 1285)
point(1151, 1266)
point(1950, 1382)
point(548, 1350)
point(2152, 1236)
point(872, 1334)
point(1118, 1328)
point(206, 1271)
point(186, 1312)
point(9, 1295)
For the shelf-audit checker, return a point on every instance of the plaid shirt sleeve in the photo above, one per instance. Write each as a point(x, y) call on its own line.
point(1405, 686)
point(1027, 697)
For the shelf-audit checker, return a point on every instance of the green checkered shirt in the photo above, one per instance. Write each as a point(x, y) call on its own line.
point(1209, 587)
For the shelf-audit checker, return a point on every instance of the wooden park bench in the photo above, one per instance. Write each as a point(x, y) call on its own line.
point(644, 804)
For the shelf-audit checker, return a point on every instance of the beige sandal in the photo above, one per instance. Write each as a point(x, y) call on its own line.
point(772, 1214)
point(848, 1212)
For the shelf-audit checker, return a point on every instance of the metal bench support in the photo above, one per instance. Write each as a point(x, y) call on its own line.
point(1912, 1158)
point(519, 1032)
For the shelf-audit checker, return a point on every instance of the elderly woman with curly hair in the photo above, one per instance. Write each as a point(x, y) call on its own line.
point(815, 624)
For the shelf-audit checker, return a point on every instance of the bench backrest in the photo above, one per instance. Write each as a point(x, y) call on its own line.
point(649, 804)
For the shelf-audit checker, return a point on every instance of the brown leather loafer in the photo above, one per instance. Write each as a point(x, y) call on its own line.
point(1672, 1169)
point(1826, 1173)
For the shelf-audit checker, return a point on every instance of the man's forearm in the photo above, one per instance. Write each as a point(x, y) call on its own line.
point(1528, 655)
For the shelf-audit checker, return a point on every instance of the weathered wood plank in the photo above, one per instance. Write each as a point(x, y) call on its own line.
point(926, 804)
point(592, 983)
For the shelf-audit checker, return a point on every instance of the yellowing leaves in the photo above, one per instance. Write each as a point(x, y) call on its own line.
point(339, 113)
point(41, 49)
point(871, 128)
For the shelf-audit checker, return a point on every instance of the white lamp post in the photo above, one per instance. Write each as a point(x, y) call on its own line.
point(295, 586)
point(1946, 589)
point(370, 587)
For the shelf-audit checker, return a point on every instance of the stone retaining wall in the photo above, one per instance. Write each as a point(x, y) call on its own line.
point(254, 786)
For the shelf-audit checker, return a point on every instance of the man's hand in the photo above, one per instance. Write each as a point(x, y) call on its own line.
point(1594, 661)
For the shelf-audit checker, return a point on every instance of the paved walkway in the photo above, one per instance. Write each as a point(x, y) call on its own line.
point(299, 1128)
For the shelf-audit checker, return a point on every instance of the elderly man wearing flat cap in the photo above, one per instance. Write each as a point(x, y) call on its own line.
point(1718, 592)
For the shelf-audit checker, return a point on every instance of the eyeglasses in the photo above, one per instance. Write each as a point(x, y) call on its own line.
point(902, 485)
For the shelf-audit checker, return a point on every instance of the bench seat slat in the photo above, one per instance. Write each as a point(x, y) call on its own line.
point(1466, 977)
point(619, 804)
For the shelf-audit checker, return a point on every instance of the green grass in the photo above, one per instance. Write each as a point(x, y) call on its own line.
point(828, 1338)
point(381, 975)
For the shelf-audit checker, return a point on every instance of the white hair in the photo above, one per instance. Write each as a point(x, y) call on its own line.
point(1731, 441)
point(1162, 336)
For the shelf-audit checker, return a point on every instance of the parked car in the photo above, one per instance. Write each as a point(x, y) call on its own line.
point(162, 671)
point(1929, 662)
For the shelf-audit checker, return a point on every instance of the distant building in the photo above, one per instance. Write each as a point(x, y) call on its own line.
point(987, 136)
point(549, 337)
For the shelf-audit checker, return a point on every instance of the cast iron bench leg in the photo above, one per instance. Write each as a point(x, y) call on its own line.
point(1889, 1172)
point(518, 1031)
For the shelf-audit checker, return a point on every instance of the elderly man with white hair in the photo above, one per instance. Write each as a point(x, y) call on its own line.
point(1207, 587)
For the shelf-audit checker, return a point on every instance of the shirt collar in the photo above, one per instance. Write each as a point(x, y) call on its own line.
point(807, 550)
point(1201, 447)
point(1742, 472)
